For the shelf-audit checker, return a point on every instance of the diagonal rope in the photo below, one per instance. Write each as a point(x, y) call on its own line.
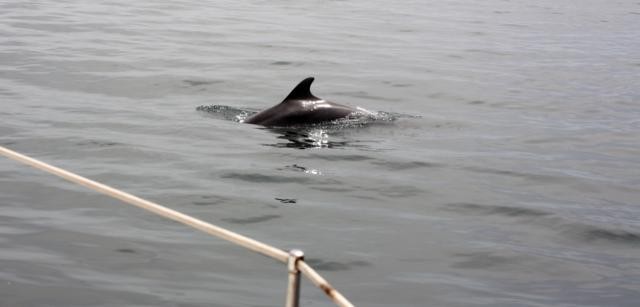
point(211, 229)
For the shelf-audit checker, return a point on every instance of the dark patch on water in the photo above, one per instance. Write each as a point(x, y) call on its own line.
point(279, 63)
point(322, 265)
point(252, 220)
point(200, 82)
point(435, 95)
point(594, 234)
point(494, 210)
point(402, 85)
point(535, 177)
point(396, 165)
point(394, 84)
point(286, 63)
point(482, 260)
point(98, 143)
point(399, 191)
point(126, 250)
point(513, 25)
point(264, 178)
point(296, 167)
point(6, 92)
point(210, 200)
point(586, 233)
point(477, 102)
point(287, 200)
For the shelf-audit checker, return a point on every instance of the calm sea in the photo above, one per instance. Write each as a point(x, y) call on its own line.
point(513, 179)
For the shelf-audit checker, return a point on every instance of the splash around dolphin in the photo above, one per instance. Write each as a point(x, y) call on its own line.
point(300, 108)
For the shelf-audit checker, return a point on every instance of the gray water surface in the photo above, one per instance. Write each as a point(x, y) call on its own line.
point(513, 181)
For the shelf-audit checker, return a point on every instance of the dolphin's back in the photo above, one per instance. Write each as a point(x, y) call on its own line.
point(300, 107)
point(294, 113)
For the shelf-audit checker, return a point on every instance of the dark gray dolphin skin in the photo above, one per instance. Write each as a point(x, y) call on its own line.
point(302, 108)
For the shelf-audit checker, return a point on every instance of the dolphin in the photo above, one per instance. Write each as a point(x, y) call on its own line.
point(302, 108)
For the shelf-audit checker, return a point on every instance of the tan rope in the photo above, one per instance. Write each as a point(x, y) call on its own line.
point(219, 232)
point(323, 284)
point(249, 243)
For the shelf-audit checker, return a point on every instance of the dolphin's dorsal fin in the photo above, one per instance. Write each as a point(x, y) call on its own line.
point(302, 91)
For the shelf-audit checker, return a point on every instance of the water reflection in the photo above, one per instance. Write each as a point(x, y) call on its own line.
point(305, 138)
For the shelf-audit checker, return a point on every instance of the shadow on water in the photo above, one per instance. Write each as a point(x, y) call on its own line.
point(252, 220)
point(596, 235)
point(327, 265)
point(334, 134)
point(306, 138)
point(478, 209)
point(575, 231)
